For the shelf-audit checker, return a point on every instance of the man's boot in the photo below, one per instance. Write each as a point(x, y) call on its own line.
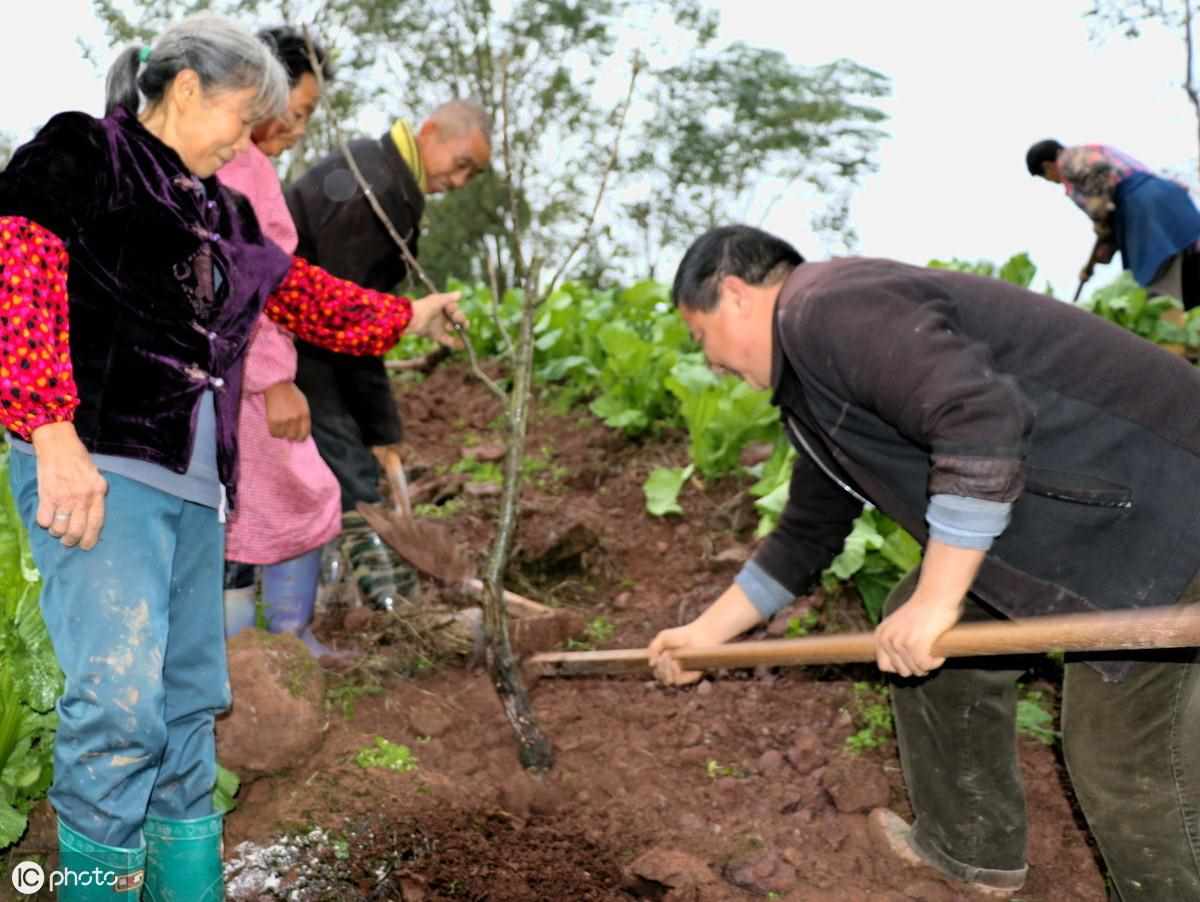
point(383, 578)
point(92, 871)
point(183, 859)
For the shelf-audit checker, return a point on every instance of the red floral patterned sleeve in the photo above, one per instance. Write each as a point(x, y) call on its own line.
point(335, 314)
point(37, 385)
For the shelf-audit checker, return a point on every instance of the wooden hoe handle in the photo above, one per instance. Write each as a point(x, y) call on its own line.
point(1125, 630)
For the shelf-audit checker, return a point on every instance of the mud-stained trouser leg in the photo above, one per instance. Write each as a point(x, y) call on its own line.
point(195, 672)
point(957, 734)
point(1133, 752)
point(137, 626)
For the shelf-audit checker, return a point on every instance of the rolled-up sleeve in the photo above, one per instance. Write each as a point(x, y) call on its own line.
point(966, 522)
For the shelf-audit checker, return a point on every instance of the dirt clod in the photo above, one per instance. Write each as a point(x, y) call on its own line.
point(429, 720)
point(669, 868)
point(853, 787)
point(761, 872)
point(275, 723)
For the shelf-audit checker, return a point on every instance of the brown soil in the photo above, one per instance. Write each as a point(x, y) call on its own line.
point(739, 788)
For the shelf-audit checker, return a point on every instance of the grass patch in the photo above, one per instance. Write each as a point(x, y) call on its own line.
point(479, 470)
point(434, 511)
point(1034, 718)
point(344, 694)
point(716, 770)
point(872, 712)
point(387, 755)
point(597, 632)
point(802, 625)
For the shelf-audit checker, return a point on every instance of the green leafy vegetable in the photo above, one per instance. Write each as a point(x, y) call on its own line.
point(774, 482)
point(875, 557)
point(30, 679)
point(227, 787)
point(663, 487)
point(1018, 270)
point(1158, 318)
point(723, 414)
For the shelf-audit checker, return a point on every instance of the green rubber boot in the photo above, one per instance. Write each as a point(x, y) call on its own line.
point(183, 860)
point(92, 871)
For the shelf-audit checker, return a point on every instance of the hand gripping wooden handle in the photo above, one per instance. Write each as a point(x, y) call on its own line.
point(1126, 630)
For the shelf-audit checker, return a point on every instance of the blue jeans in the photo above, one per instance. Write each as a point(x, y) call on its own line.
point(137, 624)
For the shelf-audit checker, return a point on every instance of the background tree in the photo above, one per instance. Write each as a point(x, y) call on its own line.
point(727, 123)
point(475, 220)
point(1130, 16)
point(712, 132)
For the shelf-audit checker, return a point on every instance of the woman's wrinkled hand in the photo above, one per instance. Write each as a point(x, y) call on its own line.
point(437, 316)
point(287, 412)
point(70, 489)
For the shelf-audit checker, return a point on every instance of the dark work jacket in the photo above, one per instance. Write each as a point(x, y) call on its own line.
point(900, 382)
point(147, 334)
point(341, 233)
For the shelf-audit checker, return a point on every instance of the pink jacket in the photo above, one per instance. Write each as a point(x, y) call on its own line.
point(289, 501)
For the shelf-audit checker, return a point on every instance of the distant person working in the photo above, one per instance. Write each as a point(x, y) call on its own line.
point(1150, 220)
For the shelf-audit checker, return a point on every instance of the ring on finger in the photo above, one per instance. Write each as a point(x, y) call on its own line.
point(63, 515)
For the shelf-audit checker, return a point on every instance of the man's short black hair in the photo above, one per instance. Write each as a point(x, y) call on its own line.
point(291, 47)
point(755, 256)
point(1043, 152)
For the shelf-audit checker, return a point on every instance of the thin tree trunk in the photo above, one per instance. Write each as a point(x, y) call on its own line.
point(534, 748)
point(1189, 84)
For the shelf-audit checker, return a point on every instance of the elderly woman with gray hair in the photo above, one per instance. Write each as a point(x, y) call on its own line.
point(129, 284)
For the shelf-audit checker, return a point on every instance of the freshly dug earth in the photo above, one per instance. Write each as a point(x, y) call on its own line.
point(739, 788)
point(437, 853)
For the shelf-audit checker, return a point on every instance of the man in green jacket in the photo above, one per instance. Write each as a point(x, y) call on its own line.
point(974, 413)
point(350, 398)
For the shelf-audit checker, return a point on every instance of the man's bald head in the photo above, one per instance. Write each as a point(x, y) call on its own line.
point(455, 143)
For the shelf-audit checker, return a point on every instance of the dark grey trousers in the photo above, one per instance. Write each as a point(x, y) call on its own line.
point(1132, 749)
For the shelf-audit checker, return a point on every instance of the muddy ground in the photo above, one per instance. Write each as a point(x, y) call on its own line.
point(742, 787)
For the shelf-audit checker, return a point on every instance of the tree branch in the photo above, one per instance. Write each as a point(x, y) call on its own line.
point(1189, 84)
point(495, 283)
point(426, 363)
point(612, 163)
point(518, 252)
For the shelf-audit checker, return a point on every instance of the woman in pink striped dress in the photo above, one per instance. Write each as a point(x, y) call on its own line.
point(289, 504)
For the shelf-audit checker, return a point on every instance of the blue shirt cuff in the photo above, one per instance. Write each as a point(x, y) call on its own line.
point(767, 595)
point(966, 522)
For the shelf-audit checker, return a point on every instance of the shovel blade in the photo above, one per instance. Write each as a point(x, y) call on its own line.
point(426, 544)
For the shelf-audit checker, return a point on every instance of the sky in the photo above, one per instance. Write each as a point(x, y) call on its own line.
point(974, 83)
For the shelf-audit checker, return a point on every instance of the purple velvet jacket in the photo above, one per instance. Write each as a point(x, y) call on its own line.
point(149, 334)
